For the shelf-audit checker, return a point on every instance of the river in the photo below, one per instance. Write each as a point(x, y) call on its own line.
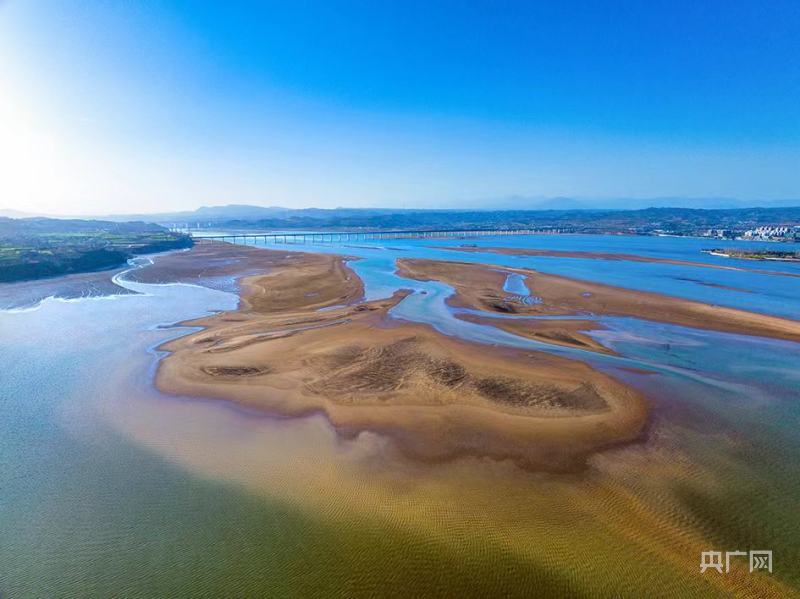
point(109, 488)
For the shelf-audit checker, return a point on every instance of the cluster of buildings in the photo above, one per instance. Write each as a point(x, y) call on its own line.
point(773, 232)
point(766, 233)
point(720, 233)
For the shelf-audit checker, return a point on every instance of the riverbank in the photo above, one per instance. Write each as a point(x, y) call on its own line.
point(40, 248)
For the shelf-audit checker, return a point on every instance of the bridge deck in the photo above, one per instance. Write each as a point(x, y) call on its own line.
point(341, 236)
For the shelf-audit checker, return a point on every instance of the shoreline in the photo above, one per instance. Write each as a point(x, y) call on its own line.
point(756, 257)
point(31, 293)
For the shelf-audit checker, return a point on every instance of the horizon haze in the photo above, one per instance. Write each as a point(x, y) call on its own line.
point(524, 204)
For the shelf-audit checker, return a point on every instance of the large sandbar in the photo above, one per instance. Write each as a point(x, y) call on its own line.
point(436, 397)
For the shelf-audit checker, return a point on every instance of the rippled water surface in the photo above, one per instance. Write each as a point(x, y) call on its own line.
point(108, 488)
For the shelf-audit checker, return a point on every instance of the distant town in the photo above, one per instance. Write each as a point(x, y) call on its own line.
point(766, 233)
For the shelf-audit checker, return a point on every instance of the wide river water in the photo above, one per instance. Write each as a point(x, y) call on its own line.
point(109, 488)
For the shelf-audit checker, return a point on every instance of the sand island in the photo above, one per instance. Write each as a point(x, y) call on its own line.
point(302, 342)
point(480, 286)
point(614, 257)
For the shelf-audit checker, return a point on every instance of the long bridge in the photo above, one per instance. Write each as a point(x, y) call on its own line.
point(342, 236)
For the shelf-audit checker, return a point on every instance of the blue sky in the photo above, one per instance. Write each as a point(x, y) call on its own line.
point(120, 106)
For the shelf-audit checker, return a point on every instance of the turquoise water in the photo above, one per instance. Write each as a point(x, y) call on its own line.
point(99, 497)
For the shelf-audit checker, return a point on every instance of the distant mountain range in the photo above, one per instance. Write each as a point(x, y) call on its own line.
point(242, 212)
point(530, 210)
point(566, 203)
point(17, 214)
point(38, 225)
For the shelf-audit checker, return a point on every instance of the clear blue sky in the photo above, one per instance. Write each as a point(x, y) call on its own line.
point(119, 106)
